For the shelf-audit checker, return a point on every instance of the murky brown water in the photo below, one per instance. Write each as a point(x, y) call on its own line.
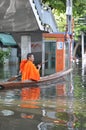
point(54, 107)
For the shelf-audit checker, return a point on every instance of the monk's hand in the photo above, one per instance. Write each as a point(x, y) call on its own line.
point(38, 66)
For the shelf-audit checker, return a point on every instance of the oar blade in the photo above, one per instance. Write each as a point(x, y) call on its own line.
point(14, 77)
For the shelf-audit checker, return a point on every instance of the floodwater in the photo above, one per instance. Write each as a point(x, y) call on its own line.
point(53, 107)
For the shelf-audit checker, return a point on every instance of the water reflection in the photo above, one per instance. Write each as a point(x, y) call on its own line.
point(30, 95)
point(49, 107)
point(56, 106)
point(7, 112)
point(6, 71)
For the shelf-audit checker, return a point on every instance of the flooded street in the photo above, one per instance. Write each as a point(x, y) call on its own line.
point(53, 107)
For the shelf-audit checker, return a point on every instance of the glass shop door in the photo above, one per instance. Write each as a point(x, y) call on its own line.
point(50, 57)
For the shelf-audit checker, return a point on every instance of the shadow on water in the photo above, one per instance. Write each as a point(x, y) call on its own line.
point(56, 106)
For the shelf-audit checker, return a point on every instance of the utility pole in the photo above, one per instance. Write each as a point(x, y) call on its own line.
point(69, 15)
point(69, 28)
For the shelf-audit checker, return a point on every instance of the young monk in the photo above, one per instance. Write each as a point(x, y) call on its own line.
point(28, 69)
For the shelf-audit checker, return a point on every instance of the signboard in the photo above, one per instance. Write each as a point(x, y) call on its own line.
point(69, 10)
point(59, 45)
point(69, 7)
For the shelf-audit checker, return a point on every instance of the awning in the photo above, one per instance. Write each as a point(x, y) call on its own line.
point(7, 39)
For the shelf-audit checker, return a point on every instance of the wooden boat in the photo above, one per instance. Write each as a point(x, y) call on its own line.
point(43, 81)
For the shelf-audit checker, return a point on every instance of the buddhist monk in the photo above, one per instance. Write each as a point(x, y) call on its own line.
point(28, 69)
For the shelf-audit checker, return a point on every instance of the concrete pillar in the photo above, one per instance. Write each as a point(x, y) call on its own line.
point(25, 46)
point(43, 56)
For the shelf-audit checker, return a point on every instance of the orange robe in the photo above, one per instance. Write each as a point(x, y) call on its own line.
point(33, 94)
point(30, 72)
point(22, 64)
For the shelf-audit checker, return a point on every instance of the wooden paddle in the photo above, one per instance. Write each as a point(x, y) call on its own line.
point(14, 77)
point(19, 75)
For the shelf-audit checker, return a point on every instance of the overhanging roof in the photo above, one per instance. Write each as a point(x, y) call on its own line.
point(7, 39)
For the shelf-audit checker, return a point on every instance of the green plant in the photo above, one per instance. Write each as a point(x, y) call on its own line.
point(4, 54)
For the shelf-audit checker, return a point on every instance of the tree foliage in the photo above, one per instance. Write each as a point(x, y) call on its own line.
point(79, 6)
point(4, 54)
point(79, 10)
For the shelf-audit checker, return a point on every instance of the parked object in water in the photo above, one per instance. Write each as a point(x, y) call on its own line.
point(28, 83)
